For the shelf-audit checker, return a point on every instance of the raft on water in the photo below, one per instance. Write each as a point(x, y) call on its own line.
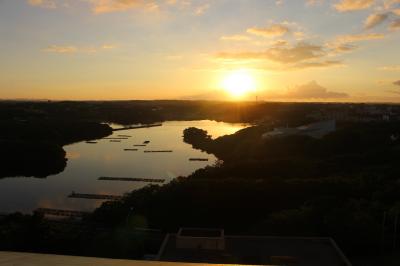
point(146, 142)
point(131, 179)
point(158, 151)
point(130, 149)
point(94, 196)
point(199, 159)
point(58, 212)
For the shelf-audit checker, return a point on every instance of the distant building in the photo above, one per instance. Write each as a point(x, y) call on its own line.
point(192, 245)
point(315, 130)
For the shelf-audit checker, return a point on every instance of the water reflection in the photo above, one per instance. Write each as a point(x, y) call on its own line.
point(87, 162)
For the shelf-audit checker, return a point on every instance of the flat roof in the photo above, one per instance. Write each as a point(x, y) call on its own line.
point(200, 232)
point(31, 259)
point(260, 251)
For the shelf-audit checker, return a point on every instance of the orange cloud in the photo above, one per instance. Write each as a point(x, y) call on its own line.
point(270, 31)
point(314, 2)
point(281, 54)
point(300, 56)
point(69, 49)
point(236, 37)
point(350, 38)
point(375, 19)
point(61, 49)
point(390, 68)
point(395, 25)
point(106, 6)
point(352, 5)
point(43, 3)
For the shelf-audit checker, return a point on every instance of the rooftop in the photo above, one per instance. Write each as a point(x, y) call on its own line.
point(259, 251)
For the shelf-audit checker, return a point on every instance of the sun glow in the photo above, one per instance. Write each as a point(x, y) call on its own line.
point(239, 83)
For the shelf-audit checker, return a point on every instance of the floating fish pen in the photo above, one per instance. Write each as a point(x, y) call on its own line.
point(148, 151)
point(130, 149)
point(139, 145)
point(146, 142)
point(57, 212)
point(94, 196)
point(131, 179)
point(124, 136)
point(199, 159)
point(91, 142)
point(137, 127)
point(113, 140)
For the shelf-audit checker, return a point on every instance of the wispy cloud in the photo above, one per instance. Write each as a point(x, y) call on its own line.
point(61, 49)
point(353, 5)
point(314, 2)
point(350, 38)
point(349, 42)
point(300, 56)
point(43, 3)
point(297, 53)
point(107, 6)
point(273, 30)
point(395, 25)
point(235, 37)
point(375, 19)
point(389, 3)
point(200, 10)
point(70, 49)
point(390, 68)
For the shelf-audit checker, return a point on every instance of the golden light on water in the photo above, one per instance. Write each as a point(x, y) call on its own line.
point(239, 83)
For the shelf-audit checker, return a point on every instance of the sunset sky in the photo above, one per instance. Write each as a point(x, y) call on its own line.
point(292, 50)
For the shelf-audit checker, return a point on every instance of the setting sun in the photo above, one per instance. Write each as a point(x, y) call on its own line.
point(238, 83)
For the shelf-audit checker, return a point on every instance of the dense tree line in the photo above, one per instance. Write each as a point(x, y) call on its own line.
point(34, 147)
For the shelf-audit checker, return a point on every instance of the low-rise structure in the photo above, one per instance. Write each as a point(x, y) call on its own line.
point(213, 246)
point(315, 130)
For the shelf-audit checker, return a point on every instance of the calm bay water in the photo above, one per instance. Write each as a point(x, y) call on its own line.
point(87, 162)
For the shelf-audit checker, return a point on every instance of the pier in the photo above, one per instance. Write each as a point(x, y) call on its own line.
point(116, 138)
point(91, 142)
point(124, 136)
point(147, 151)
point(139, 145)
point(94, 196)
point(57, 212)
point(131, 179)
point(137, 127)
point(199, 159)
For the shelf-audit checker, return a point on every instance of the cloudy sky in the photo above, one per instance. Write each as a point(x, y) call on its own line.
point(295, 50)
